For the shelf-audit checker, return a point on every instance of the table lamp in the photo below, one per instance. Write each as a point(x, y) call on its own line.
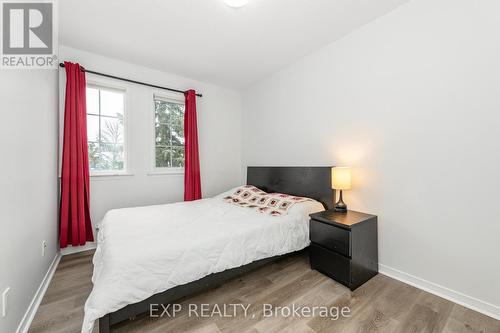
point(341, 180)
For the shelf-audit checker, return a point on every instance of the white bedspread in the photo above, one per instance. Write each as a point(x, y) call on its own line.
point(146, 250)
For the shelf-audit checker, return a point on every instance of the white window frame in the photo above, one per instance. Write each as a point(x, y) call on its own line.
point(168, 97)
point(105, 85)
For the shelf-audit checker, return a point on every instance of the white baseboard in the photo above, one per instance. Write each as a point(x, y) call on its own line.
point(76, 249)
point(472, 303)
point(25, 323)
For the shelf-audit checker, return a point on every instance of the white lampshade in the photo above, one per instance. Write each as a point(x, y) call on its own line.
point(341, 178)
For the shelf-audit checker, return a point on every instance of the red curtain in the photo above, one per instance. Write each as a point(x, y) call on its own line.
point(192, 183)
point(75, 224)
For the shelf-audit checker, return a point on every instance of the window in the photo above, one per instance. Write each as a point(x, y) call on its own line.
point(105, 129)
point(169, 133)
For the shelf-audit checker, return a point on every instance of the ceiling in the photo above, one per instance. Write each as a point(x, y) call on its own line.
point(209, 41)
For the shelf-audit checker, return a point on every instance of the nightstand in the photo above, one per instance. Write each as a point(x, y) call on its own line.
point(344, 246)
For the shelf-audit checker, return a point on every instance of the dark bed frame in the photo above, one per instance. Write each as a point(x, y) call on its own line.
point(311, 182)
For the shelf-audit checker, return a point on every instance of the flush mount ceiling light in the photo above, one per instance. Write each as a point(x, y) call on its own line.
point(236, 3)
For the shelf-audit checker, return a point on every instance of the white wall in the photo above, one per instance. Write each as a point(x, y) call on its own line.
point(28, 185)
point(412, 102)
point(219, 131)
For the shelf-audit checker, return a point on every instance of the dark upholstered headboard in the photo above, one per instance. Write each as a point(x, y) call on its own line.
point(311, 182)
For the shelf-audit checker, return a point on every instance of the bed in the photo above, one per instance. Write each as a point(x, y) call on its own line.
point(183, 248)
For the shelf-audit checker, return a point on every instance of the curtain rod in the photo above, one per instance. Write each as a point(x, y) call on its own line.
point(131, 81)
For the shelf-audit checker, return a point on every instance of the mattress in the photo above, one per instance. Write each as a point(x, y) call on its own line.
point(142, 251)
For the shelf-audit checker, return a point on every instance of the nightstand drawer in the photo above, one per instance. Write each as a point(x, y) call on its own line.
point(331, 237)
point(330, 263)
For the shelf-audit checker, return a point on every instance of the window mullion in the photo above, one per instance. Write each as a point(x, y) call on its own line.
point(170, 127)
point(171, 155)
point(100, 139)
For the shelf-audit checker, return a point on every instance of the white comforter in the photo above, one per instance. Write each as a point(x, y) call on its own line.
point(146, 250)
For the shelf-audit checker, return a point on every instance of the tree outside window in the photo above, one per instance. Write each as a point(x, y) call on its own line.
point(105, 129)
point(169, 134)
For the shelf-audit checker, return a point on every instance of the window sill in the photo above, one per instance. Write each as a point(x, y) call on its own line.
point(105, 176)
point(166, 172)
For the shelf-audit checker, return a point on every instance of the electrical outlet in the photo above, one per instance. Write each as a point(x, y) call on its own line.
point(44, 247)
point(4, 301)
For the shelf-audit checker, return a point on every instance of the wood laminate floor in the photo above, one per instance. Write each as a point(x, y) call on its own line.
point(381, 305)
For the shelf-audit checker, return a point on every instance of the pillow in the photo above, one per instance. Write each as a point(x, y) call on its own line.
point(230, 192)
point(306, 208)
point(274, 204)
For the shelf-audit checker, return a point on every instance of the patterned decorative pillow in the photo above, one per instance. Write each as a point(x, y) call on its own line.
point(275, 204)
